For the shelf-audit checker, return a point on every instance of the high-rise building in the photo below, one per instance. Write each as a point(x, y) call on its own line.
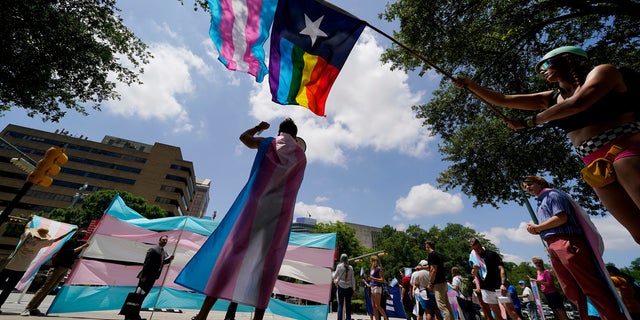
point(201, 198)
point(157, 172)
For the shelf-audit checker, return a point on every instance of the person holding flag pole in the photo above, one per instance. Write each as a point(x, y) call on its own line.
point(575, 250)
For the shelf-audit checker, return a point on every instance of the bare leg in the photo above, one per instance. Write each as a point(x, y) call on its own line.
point(496, 311)
point(511, 311)
point(484, 306)
point(231, 311)
point(622, 198)
point(207, 304)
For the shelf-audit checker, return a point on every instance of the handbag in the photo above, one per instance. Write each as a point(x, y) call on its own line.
point(600, 173)
point(385, 293)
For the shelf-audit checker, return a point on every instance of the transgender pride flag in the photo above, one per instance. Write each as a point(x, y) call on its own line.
point(310, 43)
point(56, 229)
point(239, 29)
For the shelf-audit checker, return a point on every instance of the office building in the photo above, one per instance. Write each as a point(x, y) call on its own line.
point(201, 198)
point(157, 172)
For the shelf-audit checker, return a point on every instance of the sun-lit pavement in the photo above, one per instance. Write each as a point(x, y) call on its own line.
point(15, 305)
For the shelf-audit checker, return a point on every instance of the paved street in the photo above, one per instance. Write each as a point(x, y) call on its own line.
point(15, 304)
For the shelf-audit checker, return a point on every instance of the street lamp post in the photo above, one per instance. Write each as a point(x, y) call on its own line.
point(380, 253)
point(78, 195)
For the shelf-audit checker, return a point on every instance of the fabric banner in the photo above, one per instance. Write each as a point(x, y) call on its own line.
point(310, 42)
point(56, 229)
point(536, 296)
point(106, 272)
point(239, 29)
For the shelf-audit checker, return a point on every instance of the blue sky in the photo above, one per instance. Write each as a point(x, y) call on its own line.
point(369, 161)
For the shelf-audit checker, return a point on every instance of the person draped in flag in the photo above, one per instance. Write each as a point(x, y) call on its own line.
point(241, 259)
point(31, 241)
point(575, 250)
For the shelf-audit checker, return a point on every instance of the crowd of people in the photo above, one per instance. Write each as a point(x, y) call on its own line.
point(487, 293)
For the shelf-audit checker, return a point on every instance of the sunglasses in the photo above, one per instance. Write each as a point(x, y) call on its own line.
point(546, 64)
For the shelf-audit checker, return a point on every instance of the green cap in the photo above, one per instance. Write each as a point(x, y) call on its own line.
point(566, 49)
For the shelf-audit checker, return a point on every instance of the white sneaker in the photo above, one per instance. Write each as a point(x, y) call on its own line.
point(25, 313)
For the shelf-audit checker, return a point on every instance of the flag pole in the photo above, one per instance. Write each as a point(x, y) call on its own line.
point(415, 54)
point(155, 303)
point(442, 71)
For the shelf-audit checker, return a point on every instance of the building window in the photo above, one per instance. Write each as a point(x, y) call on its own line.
point(169, 189)
point(52, 142)
point(97, 176)
point(164, 200)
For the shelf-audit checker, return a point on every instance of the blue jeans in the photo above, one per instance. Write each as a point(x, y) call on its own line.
point(344, 301)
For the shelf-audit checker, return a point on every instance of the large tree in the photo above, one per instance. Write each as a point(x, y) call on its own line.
point(407, 248)
point(62, 54)
point(497, 43)
point(345, 237)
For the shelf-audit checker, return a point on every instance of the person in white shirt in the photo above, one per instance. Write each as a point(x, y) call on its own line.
point(528, 300)
point(426, 301)
point(344, 279)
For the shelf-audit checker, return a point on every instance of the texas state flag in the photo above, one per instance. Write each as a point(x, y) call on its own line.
point(310, 42)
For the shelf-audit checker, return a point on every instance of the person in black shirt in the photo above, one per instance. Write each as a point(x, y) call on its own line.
point(438, 283)
point(488, 266)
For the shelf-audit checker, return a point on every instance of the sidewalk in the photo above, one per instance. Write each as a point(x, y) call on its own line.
point(12, 308)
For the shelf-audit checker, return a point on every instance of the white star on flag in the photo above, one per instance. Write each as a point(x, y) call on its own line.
point(312, 29)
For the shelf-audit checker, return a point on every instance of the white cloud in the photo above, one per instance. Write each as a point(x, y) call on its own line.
point(321, 199)
point(369, 107)
point(513, 258)
point(164, 28)
point(167, 76)
point(614, 235)
point(320, 213)
point(519, 234)
point(425, 200)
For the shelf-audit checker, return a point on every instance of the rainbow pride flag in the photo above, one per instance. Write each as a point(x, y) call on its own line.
point(239, 29)
point(310, 42)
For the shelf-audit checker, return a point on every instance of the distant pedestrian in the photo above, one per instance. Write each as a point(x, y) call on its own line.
point(464, 299)
point(528, 300)
point(61, 263)
point(31, 241)
point(548, 288)
point(345, 281)
point(513, 295)
point(376, 280)
point(406, 293)
point(625, 287)
point(438, 280)
point(488, 265)
point(425, 299)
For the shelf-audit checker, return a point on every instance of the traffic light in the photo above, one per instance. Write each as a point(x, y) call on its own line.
point(48, 166)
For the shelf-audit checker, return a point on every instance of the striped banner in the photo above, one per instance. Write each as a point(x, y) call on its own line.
point(107, 270)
